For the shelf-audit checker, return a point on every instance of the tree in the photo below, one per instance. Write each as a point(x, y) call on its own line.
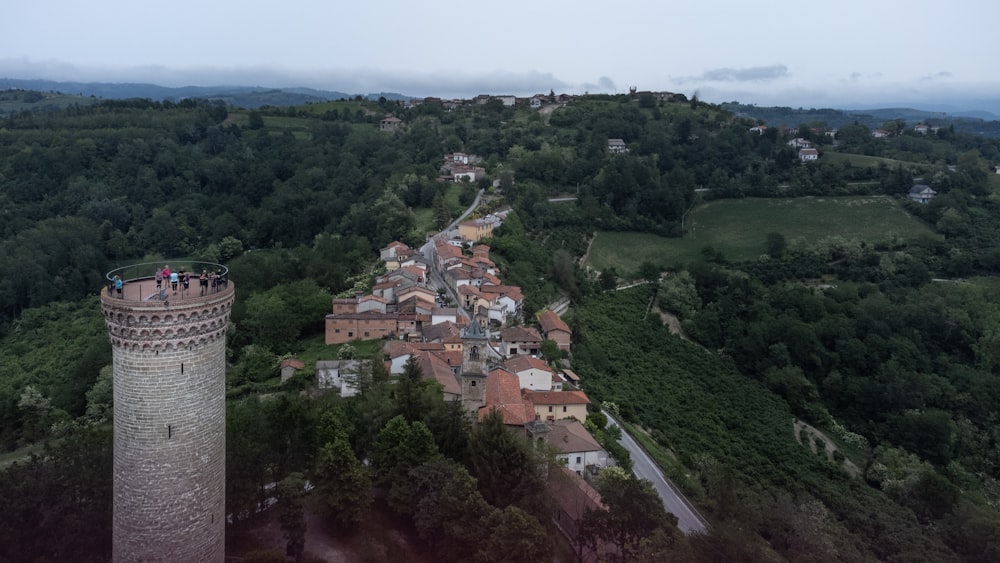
point(776, 245)
point(505, 465)
point(449, 512)
point(442, 215)
point(399, 447)
point(516, 536)
point(634, 512)
point(255, 120)
point(608, 279)
point(551, 351)
point(291, 515)
point(343, 487)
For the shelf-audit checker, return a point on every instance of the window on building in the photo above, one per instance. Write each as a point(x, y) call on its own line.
point(350, 335)
point(473, 383)
point(550, 408)
point(564, 408)
point(578, 459)
point(366, 334)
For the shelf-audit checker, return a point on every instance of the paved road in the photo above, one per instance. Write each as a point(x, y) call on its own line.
point(688, 520)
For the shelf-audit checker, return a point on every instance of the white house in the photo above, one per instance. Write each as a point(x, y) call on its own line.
point(532, 373)
point(338, 375)
point(578, 450)
point(806, 155)
point(921, 193)
point(617, 146)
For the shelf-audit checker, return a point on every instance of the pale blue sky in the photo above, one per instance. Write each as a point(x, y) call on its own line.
point(787, 52)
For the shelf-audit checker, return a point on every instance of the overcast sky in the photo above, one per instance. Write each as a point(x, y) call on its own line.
point(771, 52)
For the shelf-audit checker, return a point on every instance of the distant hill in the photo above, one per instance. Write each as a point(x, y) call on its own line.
point(239, 96)
point(975, 122)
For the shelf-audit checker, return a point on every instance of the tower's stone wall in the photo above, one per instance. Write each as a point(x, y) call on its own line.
point(170, 427)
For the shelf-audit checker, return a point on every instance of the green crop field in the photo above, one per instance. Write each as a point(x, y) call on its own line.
point(739, 228)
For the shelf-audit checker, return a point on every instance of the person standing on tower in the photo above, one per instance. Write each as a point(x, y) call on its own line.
point(174, 279)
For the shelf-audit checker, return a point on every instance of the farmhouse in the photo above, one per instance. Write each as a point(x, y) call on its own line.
point(921, 193)
point(390, 124)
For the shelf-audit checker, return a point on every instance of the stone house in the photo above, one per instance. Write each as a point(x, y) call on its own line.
point(390, 124)
point(520, 340)
point(555, 329)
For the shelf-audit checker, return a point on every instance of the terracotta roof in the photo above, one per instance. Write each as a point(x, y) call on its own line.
point(435, 368)
point(517, 364)
point(556, 397)
point(469, 289)
point(445, 250)
point(442, 331)
point(573, 495)
point(520, 334)
point(396, 244)
point(571, 375)
point(292, 363)
point(503, 393)
point(550, 321)
point(570, 436)
point(450, 357)
point(512, 291)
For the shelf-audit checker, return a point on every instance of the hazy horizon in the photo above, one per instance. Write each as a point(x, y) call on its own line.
point(784, 53)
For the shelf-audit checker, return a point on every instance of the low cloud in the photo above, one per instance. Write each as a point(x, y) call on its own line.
point(936, 76)
point(350, 81)
point(859, 76)
point(749, 74)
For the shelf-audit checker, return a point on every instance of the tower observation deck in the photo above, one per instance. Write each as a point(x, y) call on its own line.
point(169, 348)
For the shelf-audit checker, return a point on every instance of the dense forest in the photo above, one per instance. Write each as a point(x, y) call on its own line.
point(852, 337)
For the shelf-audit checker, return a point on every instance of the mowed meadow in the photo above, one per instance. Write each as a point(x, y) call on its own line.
point(738, 229)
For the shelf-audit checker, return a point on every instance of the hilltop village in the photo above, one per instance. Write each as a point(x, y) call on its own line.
point(481, 351)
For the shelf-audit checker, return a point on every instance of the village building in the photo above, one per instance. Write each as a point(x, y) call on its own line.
point(338, 375)
point(555, 329)
point(520, 340)
point(921, 193)
point(578, 450)
point(532, 373)
point(557, 405)
point(617, 146)
point(390, 124)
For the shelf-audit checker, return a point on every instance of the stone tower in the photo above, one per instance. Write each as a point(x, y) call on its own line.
point(169, 414)
point(475, 346)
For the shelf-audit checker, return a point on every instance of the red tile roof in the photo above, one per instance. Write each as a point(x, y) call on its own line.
point(556, 397)
point(520, 334)
point(517, 364)
point(435, 368)
point(550, 321)
point(503, 393)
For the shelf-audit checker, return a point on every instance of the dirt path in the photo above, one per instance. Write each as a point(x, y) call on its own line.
point(799, 428)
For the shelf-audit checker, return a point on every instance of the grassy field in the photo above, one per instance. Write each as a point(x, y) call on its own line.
point(425, 215)
point(861, 160)
point(739, 228)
